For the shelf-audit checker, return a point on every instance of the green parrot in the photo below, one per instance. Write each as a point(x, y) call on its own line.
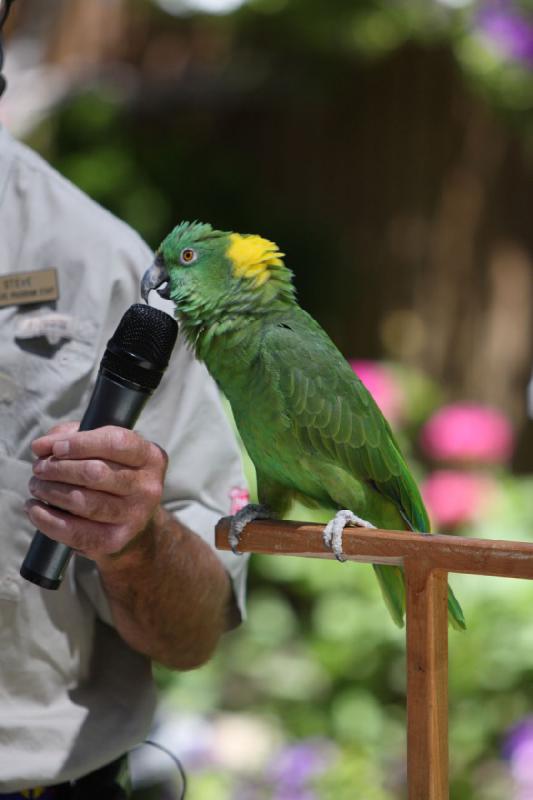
point(312, 430)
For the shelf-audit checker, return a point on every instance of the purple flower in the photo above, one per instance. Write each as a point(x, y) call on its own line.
point(290, 773)
point(468, 433)
point(297, 764)
point(518, 749)
point(509, 30)
point(517, 736)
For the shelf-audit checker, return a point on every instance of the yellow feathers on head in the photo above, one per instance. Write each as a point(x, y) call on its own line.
point(253, 257)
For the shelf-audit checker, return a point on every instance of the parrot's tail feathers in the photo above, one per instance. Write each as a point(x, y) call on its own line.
point(456, 617)
point(392, 585)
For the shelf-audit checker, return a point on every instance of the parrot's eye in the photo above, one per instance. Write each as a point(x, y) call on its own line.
point(188, 256)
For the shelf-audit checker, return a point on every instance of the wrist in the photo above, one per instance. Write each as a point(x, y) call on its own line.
point(140, 550)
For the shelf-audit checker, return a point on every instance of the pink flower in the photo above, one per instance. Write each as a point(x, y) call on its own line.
point(240, 497)
point(456, 498)
point(382, 386)
point(468, 433)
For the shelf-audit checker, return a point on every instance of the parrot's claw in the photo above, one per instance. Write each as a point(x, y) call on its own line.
point(333, 531)
point(240, 520)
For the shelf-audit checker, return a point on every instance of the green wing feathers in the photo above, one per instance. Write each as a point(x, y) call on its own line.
point(338, 426)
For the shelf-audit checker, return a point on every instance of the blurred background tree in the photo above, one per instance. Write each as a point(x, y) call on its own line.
point(387, 146)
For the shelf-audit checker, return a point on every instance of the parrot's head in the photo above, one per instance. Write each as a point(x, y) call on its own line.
point(217, 275)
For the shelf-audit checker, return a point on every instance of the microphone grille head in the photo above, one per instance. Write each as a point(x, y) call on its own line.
point(141, 346)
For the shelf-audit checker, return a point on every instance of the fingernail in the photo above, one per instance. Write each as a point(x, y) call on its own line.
point(39, 465)
point(61, 448)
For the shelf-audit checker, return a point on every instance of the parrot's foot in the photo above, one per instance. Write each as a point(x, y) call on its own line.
point(240, 520)
point(333, 531)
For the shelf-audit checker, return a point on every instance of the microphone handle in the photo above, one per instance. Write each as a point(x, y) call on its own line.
point(114, 401)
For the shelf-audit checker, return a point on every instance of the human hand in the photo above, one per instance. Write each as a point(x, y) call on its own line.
point(97, 490)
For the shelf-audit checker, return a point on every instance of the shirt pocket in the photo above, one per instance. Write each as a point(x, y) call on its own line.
point(52, 379)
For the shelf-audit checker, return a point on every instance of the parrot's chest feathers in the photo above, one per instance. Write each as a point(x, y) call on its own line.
point(240, 367)
point(228, 358)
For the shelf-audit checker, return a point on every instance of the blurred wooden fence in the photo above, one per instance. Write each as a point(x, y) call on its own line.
point(426, 560)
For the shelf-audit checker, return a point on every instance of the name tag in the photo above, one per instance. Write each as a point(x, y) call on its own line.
point(22, 288)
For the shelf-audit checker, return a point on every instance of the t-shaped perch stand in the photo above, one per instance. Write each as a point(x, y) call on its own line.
point(426, 561)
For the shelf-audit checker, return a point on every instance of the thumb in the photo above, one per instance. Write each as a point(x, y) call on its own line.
point(42, 446)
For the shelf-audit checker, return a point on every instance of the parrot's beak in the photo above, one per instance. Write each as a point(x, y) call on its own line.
point(156, 277)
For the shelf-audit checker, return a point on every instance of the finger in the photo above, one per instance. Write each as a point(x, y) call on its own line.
point(109, 443)
point(85, 536)
point(102, 476)
point(84, 503)
point(42, 446)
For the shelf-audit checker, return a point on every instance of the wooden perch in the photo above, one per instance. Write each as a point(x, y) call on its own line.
point(449, 553)
point(426, 560)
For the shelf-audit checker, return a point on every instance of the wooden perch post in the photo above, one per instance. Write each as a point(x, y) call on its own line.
point(427, 560)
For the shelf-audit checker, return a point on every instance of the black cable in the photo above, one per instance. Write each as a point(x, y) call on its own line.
point(176, 761)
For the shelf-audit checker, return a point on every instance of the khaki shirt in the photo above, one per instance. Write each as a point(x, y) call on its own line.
point(73, 695)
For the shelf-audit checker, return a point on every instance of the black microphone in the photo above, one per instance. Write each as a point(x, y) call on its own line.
point(131, 368)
